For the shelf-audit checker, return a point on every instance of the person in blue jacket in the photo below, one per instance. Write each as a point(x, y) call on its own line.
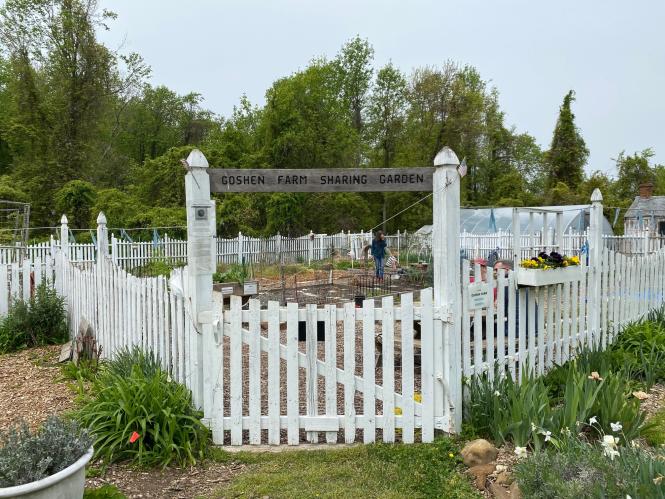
point(379, 253)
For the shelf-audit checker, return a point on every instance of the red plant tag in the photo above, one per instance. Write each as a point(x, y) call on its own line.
point(135, 436)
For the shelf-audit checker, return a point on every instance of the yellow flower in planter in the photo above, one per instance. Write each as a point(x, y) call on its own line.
point(575, 260)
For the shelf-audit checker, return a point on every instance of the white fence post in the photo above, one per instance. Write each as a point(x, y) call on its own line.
point(240, 248)
point(64, 236)
point(446, 263)
point(310, 248)
point(102, 237)
point(595, 247)
point(200, 220)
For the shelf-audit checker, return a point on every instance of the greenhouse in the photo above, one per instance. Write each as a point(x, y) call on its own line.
point(491, 220)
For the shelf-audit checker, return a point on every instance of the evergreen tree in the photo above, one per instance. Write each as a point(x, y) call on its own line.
point(568, 152)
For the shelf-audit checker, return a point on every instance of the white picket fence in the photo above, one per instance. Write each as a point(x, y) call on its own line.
point(331, 390)
point(125, 310)
point(547, 325)
point(257, 383)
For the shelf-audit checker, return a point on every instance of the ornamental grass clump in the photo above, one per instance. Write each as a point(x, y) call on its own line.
point(142, 415)
point(27, 457)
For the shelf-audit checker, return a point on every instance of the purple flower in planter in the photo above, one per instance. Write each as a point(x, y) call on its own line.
point(556, 258)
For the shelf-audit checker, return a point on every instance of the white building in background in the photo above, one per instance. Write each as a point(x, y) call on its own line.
point(646, 213)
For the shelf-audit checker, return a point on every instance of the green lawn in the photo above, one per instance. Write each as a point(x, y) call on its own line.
point(379, 470)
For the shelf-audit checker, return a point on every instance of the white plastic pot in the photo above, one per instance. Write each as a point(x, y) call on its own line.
point(65, 484)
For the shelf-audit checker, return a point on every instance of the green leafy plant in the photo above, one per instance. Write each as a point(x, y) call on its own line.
point(234, 273)
point(581, 470)
point(40, 321)
point(125, 358)
point(507, 411)
point(155, 268)
point(143, 416)
point(27, 457)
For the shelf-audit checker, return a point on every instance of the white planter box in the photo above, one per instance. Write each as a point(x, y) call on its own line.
point(65, 484)
point(540, 277)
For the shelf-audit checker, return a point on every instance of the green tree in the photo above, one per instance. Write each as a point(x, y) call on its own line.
point(633, 170)
point(76, 199)
point(355, 70)
point(568, 152)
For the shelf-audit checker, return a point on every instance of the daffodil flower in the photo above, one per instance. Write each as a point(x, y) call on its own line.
point(521, 452)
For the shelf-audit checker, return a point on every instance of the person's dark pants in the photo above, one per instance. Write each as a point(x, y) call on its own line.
point(378, 262)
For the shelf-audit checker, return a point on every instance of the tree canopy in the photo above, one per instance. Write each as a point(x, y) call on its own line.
point(82, 129)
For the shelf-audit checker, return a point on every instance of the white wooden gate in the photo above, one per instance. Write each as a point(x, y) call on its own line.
point(272, 388)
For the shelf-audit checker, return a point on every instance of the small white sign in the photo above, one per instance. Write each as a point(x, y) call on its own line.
point(251, 288)
point(478, 295)
point(227, 290)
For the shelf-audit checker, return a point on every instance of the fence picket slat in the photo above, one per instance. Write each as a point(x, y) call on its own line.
point(235, 369)
point(407, 368)
point(369, 402)
point(274, 391)
point(331, 367)
point(311, 376)
point(292, 383)
point(388, 354)
point(350, 370)
point(254, 372)
point(427, 365)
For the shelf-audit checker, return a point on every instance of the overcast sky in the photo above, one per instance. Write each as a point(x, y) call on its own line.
point(611, 52)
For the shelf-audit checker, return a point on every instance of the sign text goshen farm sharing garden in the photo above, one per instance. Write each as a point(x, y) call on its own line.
point(321, 180)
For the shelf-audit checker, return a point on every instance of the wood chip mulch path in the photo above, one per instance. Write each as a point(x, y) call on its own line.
point(31, 387)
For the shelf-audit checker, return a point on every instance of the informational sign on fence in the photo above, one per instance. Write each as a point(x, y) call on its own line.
point(321, 180)
point(478, 295)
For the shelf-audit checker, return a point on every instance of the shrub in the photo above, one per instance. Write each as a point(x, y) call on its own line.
point(126, 358)
point(234, 273)
point(155, 268)
point(581, 470)
point(27, 457)
point(147, 402)
point(40, 321)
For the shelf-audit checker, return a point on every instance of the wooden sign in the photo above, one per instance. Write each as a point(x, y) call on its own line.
point(321, 180)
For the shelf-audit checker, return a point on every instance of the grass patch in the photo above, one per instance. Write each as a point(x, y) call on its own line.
point(654, 431)
point(378, 470)
point(104, 492)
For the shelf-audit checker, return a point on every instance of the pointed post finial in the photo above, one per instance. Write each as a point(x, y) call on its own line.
point(63, 219)
point(196, 159)
point(446, 157)
point(596, 196)
point(101, 218)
